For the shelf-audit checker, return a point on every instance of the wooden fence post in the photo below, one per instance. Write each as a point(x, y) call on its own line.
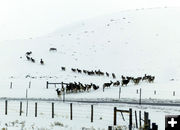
point(29, 84)
point(139, 119)
point(146, 120)
point(20, 111)
point(6, 103)
point(154, 126)
point(130, 119)
point(109, 127)
point(136, 119)
point(119, 91)
point(91, 113)
point(27, 108)
point(52, 109)
point(115, 115)
point(26, 102)
point(11, 85)
point(149, 124)
point(140, 97)
point(62, 86)
point(35, 109)
point(174, 93)
point(47, 84)
point(71, 116)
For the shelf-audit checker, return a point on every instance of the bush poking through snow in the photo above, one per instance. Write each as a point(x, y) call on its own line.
point(58, 124)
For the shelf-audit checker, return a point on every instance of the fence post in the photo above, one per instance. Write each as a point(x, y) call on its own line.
point(52, 109)
point(154, 126)
point(62, 86)
point(174, 93)
point(47, 84)
point(154, 92)
point(71, 111)
point(35, 109)
point(146, 121)
point(29, 84)
point(11, 85)
point(140, 97)
point(109, 127)
point(91, 113)
point(20, 108)
point(149, 124)
point(6, 103)
point(140, 119)
point(115, 115)
point(26, 93)
point(136, 119)
point(130, 119)
point(119, 91)
point(137, 91)
point(27, 108)
point(26, 102)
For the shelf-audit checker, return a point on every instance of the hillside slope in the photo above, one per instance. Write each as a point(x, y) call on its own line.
point(129, 43)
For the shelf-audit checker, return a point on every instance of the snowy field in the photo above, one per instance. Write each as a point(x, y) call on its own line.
point(103, 115)
point(130, 43)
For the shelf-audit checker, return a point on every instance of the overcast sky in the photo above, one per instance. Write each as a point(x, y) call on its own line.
point(30, 18)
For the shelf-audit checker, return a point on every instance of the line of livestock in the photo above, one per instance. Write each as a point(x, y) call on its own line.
point(28, 54)
point(74, 87)
point(127, 79)
point(90, 72)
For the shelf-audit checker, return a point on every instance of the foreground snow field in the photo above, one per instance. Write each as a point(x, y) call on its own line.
point(130, 43)
point(103, 116)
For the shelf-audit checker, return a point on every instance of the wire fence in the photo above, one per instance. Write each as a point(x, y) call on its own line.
point(101, 114)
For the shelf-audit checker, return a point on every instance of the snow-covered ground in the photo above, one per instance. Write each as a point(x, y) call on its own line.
point(103, 115)
point(130, 43)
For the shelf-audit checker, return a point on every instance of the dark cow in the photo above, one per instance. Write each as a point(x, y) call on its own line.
point(78, 70)
point(107, 74)
point(123, 78)
point(28, 58)
point(42, 62)
point(95, 87)
point(74, 70)
point(151, 79)
point(137, 80)
point(125, 82)
point(107, 85)
point(63, 68)
point(28, 53)
point(113, 75)
point(53, 49)
point(117, 83)
point(85, 71)
point(33, 60)
point(58, 92)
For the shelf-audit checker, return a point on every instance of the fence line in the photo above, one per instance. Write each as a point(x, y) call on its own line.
point(53, 110)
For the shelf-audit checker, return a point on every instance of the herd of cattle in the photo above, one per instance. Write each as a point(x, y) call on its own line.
point(127, 79)
point(28, 54)
point(79, 87)
point(76, 87)
point(90, 72)
point(29, 58)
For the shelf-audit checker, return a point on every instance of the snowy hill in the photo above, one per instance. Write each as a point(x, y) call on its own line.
point(129, 43)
